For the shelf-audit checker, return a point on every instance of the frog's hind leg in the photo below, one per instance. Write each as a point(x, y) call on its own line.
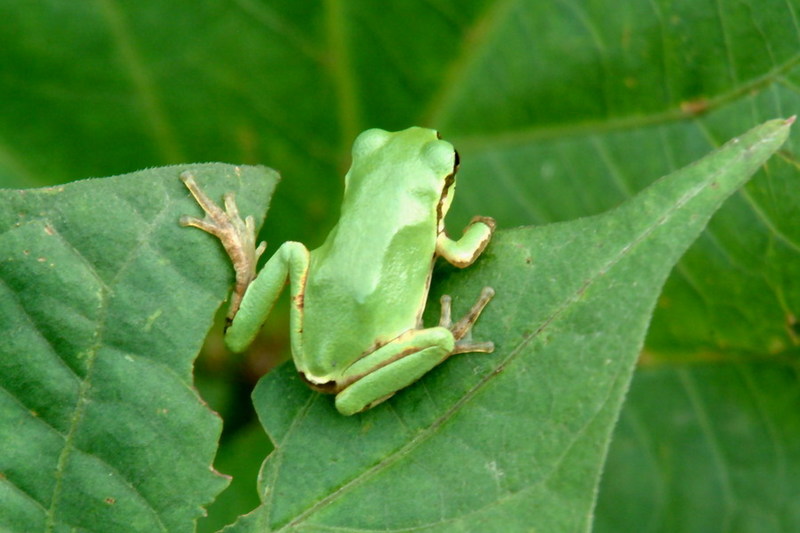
point(462, 330)
point(395, 365)
point(400, 362)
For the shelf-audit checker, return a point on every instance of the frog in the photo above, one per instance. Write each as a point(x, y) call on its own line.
point(357, 300)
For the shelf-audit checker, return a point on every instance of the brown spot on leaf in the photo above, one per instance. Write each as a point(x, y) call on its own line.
point(695, 107)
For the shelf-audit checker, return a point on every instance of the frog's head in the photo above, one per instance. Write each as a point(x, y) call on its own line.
point(415, 160)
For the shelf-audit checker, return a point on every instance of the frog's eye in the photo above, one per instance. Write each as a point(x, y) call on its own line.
point(369, 141)
point(439, 156)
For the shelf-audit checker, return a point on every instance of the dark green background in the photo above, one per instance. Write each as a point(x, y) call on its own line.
point(559, 110)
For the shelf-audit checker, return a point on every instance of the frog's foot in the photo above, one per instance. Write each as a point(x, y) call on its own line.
point(237, 236)
point(462, 330)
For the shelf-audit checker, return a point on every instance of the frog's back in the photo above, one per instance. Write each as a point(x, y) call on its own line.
point(368, 282)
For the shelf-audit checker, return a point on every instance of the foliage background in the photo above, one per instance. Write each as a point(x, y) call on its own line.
point(559, 110)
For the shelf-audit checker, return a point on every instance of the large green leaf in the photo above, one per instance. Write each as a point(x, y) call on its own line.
point(514, 440)
point(103, 307)
point(706, 448)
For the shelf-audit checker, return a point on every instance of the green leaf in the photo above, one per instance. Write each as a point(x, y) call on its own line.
point(103, 306)
point(516, 439)
point(708, 448)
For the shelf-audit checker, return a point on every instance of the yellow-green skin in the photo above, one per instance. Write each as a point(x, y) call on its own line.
point(357, 300)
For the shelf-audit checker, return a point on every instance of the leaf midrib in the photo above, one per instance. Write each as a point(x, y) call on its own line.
point(86, 383)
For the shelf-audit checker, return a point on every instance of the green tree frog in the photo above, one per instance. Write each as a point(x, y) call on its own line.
point(357, 300)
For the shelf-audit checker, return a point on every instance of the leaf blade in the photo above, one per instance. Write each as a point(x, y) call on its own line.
point(550, 393)
point(102, 427)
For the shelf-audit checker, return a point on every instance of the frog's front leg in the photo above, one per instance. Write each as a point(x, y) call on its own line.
point(254, 296)
point(464, 251)
point(238, 236)
point(378, 375)
point(290, 261)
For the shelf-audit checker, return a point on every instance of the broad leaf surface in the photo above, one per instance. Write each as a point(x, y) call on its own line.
point(559, 109)
point(514, 440)
point(103, 307)
point(740, 421)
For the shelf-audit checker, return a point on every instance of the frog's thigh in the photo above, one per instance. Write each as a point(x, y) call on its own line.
point(417, 353)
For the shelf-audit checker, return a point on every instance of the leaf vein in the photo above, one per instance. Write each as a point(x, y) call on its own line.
point(490, 142)
point(142, 79)
point(453, 81)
